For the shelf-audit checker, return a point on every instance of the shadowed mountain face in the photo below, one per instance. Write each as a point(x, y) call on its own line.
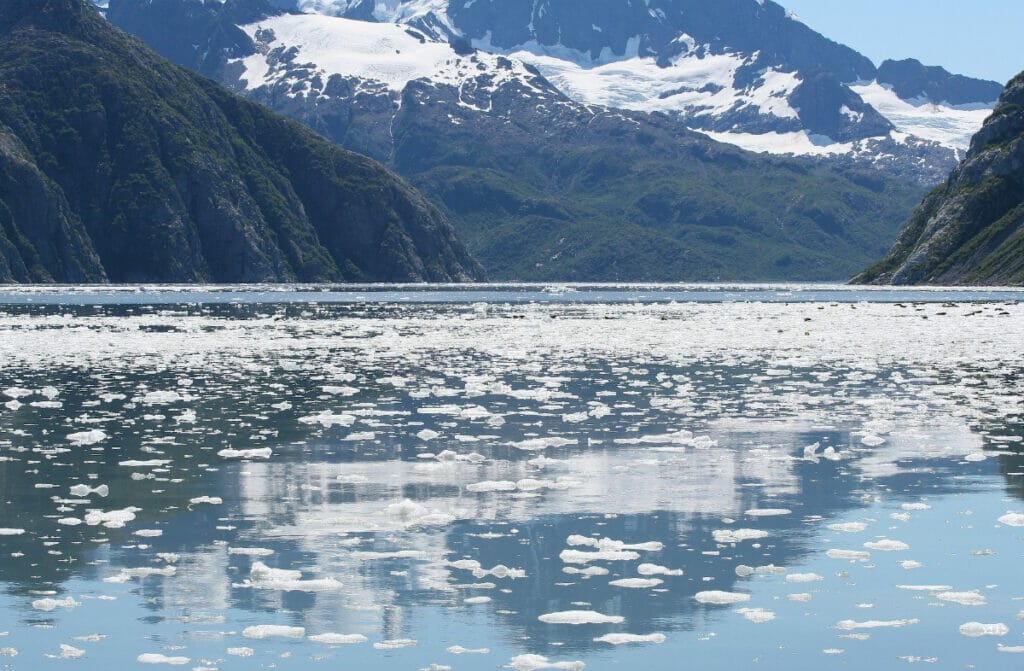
point(970, 230)
point(117, 165)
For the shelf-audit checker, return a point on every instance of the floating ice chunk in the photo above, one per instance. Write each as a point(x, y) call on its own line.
point(887, 545)
point(915, 506)
point(70, 521)
point(326, 419)
point(212, 500)
point(1013, 649)
point(16, 392)
point(415, 514)
point(972, 598)
point(575, 417)
point(68, 652)
point(636, 583)
point(911, 564)
point(395, 644)
point(340, 390)
point(801, 597)
point(851, 625)
point(90, 437)
point(186, 417)
point(86, 490)
point(112, 519)
point(871, 440)
point(157, 658)
point(241, 652)
point(338, 639)
point(142, 572)
point(848, 527)
point(477, 600)
point(611, 544)
point(254, 453)
point(11, 532)
point(811, 451)
point(756, 615)
point(975, 456)
point(925, 588)
point(720, 598)
point(732, 536)
point(251, 552)
point(538, 444)
point(582, 557)
point(161, 397)
point(459, 650)
point(260, 631)
point(144, 463)
point(588, 572)
point(852, 555)
point(537, 662)
point(767, 512)
point(360, 435)
point(622, 639)
point(580, 617)
point(975, 629)
point(148, 533)
point(427, 434)
point(8, 652)
point(803, 577)
point(1012, 519)
point(262, 576)
point(48, 604)
point(655, 569)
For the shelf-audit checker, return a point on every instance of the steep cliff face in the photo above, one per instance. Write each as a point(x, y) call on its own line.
point(117, 165)
point(971, 229)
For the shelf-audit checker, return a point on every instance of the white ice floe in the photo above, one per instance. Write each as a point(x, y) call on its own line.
point(241, 651)
point(8, 531)
point(636, 583)
point(976, 629)
point(803, 577)
point(657, 569)
point(395, 644)
point(972, 598)
point(112, 519)
point(1012, 519)
point(756, 615)
point(538, 662)
point(86, 490)
point(338, 639)
point(580, 617)
point(251, 552)
point(161, 397)
point(887, 545)
point(851, 625)
point(212, 500)
point(49, 604)
point(158, 658)
point(260, 631)
point(767, 512)
point(732, 536)
point(460, 650)
point(622, 639)
point(262, 576)
point(718, 597)
point(254, 453)
point(90, 437)
point(144, 463)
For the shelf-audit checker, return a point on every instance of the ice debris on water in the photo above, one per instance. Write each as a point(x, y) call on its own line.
point(720, 598)
point(580, 617)
point(538, 662)
point(158, 658)
point(623, 639)
point(976, 629)
point(260, 631)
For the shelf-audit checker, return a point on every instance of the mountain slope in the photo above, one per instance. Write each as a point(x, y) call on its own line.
point(971, 229)
point(117, 165)
point(540, 186)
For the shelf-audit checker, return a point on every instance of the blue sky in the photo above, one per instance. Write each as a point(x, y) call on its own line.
point(979, 38)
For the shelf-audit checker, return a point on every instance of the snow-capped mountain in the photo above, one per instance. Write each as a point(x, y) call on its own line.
point(747, 72)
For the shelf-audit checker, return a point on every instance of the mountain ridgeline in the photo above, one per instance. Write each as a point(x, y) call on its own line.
point(116, 165)
point(970, 230)
point(540, 185)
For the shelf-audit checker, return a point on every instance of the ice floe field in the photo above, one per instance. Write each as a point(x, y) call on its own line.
point(511, 477)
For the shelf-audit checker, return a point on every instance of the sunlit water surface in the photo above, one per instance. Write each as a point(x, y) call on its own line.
point(655, 477)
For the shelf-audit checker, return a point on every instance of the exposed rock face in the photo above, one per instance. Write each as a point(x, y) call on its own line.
point(971, 229)
point(910, 79)
point(118, 165)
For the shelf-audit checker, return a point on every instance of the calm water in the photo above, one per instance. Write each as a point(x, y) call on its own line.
point(594, 477)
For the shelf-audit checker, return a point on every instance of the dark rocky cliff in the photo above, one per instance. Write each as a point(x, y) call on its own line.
point(970, 230)
point(116, 165)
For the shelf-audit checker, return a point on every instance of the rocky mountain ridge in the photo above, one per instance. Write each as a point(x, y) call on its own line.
point(116, 165)
point(969, 230)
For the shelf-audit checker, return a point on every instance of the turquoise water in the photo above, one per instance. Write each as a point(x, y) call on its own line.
point(413, 470)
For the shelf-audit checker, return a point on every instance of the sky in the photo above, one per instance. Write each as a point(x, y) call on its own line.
point(978, 38)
